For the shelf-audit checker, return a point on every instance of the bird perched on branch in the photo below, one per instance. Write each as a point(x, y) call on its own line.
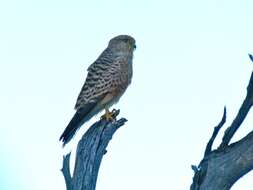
point(108, 78)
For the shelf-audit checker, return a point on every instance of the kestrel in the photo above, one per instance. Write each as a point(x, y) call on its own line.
point(107, 79)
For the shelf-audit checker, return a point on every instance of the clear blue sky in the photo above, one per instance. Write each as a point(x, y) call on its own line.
point(191, 60)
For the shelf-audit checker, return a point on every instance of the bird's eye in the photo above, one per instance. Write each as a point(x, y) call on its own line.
point(134, 46)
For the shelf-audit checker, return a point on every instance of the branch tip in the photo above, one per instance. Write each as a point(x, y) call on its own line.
point(66, 171)
point(215, 133)
point(251, 57)
point(194, 168)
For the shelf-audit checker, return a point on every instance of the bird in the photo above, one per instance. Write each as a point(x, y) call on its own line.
point(107, 80)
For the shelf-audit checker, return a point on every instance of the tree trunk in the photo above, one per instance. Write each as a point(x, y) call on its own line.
point(90, 151)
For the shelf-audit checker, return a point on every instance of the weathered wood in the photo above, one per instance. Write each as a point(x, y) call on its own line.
point(215, 133)
point(222, 167)
point(89, 154)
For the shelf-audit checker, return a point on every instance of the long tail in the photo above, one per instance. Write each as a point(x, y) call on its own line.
point(80, 117)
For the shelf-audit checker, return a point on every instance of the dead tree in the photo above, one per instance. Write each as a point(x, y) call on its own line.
point(222, 167)
point(89, 153)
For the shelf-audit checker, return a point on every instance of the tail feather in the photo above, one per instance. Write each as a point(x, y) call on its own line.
point(80, 117)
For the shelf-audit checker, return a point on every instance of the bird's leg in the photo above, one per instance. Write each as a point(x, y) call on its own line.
point(108, 116)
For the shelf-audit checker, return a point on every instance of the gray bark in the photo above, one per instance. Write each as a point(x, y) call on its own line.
point(222, 167)
point(89, 154)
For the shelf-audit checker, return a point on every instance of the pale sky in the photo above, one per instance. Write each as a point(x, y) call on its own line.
point(191, 60)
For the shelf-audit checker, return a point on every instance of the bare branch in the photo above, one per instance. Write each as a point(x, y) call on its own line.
point(243, 111)
point(221, 168)
point(215, 133)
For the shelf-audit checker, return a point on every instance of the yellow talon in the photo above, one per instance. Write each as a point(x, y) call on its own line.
point(108, 116)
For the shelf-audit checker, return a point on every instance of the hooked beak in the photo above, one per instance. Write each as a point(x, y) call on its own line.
point(130, 46)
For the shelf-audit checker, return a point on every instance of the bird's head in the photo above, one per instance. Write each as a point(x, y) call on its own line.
point(123, 43)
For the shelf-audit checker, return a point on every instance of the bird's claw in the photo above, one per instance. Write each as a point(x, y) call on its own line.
point(109, 116)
